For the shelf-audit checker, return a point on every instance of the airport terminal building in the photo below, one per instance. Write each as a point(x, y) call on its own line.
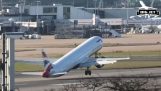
point(52, 17)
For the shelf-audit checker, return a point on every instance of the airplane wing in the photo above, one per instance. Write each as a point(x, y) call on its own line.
point(40, 74)
point(38, 61)
point(58, 74)
point(100, 61)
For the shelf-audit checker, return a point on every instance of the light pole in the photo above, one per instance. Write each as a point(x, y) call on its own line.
point(1, 5)
point(20, 6)
point(73, 3)
point(87, 4)
point(12, 22)
point(95, 5)
point(42, 27)
point(127, 13)
point(37, 17)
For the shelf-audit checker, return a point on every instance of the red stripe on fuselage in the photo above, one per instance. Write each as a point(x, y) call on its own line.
point(46, 72)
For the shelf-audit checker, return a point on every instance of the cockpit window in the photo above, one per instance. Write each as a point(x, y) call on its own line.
point(99, 40)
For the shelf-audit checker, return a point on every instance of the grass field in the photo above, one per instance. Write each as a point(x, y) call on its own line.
point(106, 54)
point(132, 64)
point(21, 67)
point(117, 54)
point(131, 53)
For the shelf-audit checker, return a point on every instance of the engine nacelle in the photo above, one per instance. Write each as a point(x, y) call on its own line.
point(99, 66)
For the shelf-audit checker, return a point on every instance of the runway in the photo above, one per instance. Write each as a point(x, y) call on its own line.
point(30, 48)
point(27, 82)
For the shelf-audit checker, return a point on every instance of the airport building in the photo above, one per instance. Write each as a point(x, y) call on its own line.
point(57, 12)
point(49, 18)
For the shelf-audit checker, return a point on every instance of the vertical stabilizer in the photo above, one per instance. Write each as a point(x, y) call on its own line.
point(44, 55)
point(142, 4)
point(47, 65)
point(45, 61)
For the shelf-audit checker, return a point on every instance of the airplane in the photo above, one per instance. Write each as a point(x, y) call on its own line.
point(77, 58)
point(144, 7)
point(151, 29)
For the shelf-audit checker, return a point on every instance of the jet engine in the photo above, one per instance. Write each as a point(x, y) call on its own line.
point(99, 66)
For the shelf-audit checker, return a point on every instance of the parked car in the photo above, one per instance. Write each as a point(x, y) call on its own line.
point(32, 36)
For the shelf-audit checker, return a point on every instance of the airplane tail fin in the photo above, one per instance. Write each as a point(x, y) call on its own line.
point(44, 55)
point(142, 4)
point(47, 65)
point(47, 68)
point(45, 60)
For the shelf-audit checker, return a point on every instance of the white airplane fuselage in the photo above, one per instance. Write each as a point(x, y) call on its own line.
point(72, 59)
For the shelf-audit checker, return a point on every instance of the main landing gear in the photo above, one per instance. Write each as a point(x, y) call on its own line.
point(87, 72)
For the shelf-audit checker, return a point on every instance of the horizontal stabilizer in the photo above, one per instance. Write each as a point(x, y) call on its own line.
point(37, 61)
point(58, 74)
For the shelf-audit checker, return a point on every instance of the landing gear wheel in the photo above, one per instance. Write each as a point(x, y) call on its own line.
point(87, 72)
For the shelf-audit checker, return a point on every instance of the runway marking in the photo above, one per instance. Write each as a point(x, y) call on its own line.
point(66, 84)
point(32, 73)
point(21, 84)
